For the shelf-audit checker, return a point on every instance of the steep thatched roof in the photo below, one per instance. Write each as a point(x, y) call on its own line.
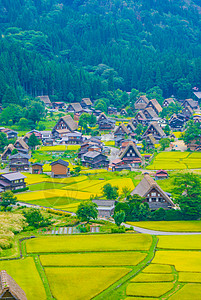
point(45, 99)
point(76, 107)
point(157, 127)
point(71, 124)
point(124, 129)
point(152, 138)
point(168, 100)
point(154, 103)
point(101, 116)
point(130, 144)
point(130, 124)
point(87, 101)
point(8, 284)
point(22, 143)
point(151, 112)
point(146, 185)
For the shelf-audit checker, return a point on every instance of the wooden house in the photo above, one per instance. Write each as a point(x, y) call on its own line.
point(37, 168)
point(112, 110)
point(9, 289)
point(95, 160)
point(187, 111)
point(19, 162)
point(176, 122)
point(118, 165)
point(131, 127)
point(131, 155)
point(45, 100)
point(58, 105)
point(86, 103)
point(195, 145)
point(21, 146)
point(7, 152)
point(73, 138)
point(11, 134)
point(102, 117)
point(197, 119)
point(155, 130)
point(59, 168)
point(150, 113)
point(161, 174)
point(140, 116)
point(106, 124)
point(167, 102)
point(153, 194)
point(192, 103)
point(150, 141)
point(105, 208)
point(64, 123)
point(155, 105)
point(121, 131)
point(75, 108)
point(123, 112)
point(141, 102)
point(12, 181)
point(47, 138)
point(37, 134)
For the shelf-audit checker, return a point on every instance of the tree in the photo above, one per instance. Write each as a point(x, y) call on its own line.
point(10, 96)
point(110, 192)
point(167, 129)
point(3, 141)
point(119, 217)
point(33, 141)
point(87, 211)
point(165, 143)
point(193, 132)
point(23, 124)
point(187, 194)
point(35, 218)
point(7, 199)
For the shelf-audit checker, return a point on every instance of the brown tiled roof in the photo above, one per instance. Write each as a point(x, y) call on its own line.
point(146, 184)
point(22, 143)
point(155, 104)
point(124, 128)
point(70, 122)
point(134, 148)
point(8, 284)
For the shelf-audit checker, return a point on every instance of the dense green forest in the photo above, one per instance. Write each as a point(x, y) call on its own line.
point(81, 48)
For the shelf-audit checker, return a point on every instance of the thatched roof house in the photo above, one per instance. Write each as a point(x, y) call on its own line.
point(153, 194)
point(155, 105)
point(9, 289)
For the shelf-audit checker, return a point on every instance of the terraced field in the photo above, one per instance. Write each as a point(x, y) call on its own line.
point(67, 193)
point(176, 161)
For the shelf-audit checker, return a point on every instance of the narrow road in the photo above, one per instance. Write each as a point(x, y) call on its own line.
point(155, 232)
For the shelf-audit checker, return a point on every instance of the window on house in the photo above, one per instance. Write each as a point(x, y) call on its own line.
point(153, 194)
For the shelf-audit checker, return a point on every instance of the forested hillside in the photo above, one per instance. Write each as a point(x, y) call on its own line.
point(73, 49)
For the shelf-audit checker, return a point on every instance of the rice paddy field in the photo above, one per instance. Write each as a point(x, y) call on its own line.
point(67, 193)
point(109, 266)
point(176, 160)
point(174, 226)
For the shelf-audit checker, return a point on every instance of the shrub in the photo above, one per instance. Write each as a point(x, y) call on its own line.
point(21, 190)
point(120, 229)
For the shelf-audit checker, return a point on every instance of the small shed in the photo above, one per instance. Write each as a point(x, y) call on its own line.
point(105, 207)
point(37, 168)
point(161, 174)
point(60, 168)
